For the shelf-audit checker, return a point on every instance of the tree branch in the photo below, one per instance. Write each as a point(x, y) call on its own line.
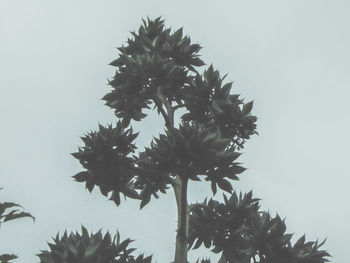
point(162, 111)
point(167, 104)
point(168, 115)
point(174, 108)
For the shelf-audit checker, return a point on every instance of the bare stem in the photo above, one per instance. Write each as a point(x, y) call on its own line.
point(169, 114)
point(181, 249)
point(179, 185)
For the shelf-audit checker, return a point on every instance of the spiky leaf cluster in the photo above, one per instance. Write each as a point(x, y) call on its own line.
point(106, 157)
point(209, 102)
point(189, 151)
point(11, 211)
point(154, 57)
point(90, 248)
point(158, 64)
point(242, 233)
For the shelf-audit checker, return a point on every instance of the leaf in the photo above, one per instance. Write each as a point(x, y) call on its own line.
point(6, 205)
point(126, 122)
point(213, 187)
point(145, 201)
point(15, 215)
point(81, 176)
point(154, 42)
point(90, 186)
point(226, 89)
point(225, 185)
point(178, 36)
point(247, 108)
point(91, 250)
point(5, 258)
point(216, 107)
point(197, 62)
point(115, 197)
point(300, 242)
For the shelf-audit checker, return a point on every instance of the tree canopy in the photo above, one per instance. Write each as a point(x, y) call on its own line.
point(159, 68)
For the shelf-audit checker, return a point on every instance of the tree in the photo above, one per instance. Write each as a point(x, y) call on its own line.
point(10, 211)
point(159, 68)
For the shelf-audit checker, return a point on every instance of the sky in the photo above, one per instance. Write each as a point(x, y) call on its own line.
point(291, 57)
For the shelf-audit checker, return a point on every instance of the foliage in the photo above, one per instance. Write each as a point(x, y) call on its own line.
point(106, 158)
point(160, 68)
point(10, 211)
point(190, 151)
point(6, 258)
point(244, 234)
point(90, 248)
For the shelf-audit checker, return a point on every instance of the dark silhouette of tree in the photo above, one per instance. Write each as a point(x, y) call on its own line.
point(90, 248)
point(159, 68)
point(10, 211)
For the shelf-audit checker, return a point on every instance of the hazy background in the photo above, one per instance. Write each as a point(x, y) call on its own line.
point(291, 57)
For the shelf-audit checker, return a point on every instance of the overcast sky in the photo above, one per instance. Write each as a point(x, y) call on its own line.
point(291, 57)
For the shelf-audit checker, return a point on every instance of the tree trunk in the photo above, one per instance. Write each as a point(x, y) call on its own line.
point(180, 189)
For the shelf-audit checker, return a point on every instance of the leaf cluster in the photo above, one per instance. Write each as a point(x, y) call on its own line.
point(107, 159)
point(209, 102)
point(11, 211)
point(242, 233)
point(90, 248)
point(190, 151)
point(158, 66)
point(154, 57)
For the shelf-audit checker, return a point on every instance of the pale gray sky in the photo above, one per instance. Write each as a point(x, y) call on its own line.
point(291, 57)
